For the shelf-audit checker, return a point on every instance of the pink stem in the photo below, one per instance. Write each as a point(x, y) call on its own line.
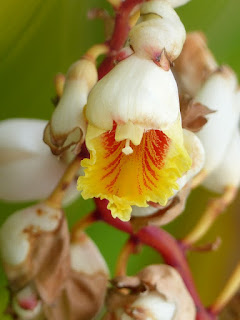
point(119, 36)
point(165, 244)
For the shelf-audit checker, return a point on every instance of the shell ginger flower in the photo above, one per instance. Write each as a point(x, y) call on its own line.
point(134, 137)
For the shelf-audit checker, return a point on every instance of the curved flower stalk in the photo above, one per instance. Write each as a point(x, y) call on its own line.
point(219, 93)
point(28, 170)
point(194, 65)
point(134, 137)
point(49, 277)
point(68, 125)
point(157, 292)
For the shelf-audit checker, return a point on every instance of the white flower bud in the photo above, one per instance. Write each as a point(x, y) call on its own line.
point(28, 170)
point(26, 304)
point(159, 33)
point(219, 94)
point(228, 171)
point(153, 306)
point(86, 257)
point(67, 126)
point(18, 230)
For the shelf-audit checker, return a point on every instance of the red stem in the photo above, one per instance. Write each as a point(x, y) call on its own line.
point(119, 36)
point(169, 248)
point(165, 244)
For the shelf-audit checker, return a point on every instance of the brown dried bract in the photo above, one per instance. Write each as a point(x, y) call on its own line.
point(193, 113)
point(161, 279)
point(194, 65)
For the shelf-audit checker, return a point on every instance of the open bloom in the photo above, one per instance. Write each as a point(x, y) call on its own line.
point(134, 137)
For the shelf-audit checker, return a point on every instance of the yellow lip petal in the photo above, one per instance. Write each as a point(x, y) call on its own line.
point(149, 173)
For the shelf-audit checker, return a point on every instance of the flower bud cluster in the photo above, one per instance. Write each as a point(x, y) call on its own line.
point(49, 276)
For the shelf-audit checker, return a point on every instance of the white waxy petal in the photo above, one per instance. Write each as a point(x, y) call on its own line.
point(14, 238)
point(228, 172)
point(219, 94)
point(136, 90)
point(195, 150)
point(86, 257)
point(159, 28)
point(28, 170)
point(155, 307)
point(143, 211)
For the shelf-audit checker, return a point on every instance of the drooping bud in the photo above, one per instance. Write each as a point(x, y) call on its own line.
point(67, 126)
point(228, 171)
point(159, 35)
point(28, 170)
point(219, 94)
point(157, 292)
point(194, 65)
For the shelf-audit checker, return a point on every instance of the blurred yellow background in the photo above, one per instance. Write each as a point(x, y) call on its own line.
point(40, 38)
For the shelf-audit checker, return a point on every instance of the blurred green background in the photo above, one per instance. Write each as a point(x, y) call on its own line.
point(40, 38)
